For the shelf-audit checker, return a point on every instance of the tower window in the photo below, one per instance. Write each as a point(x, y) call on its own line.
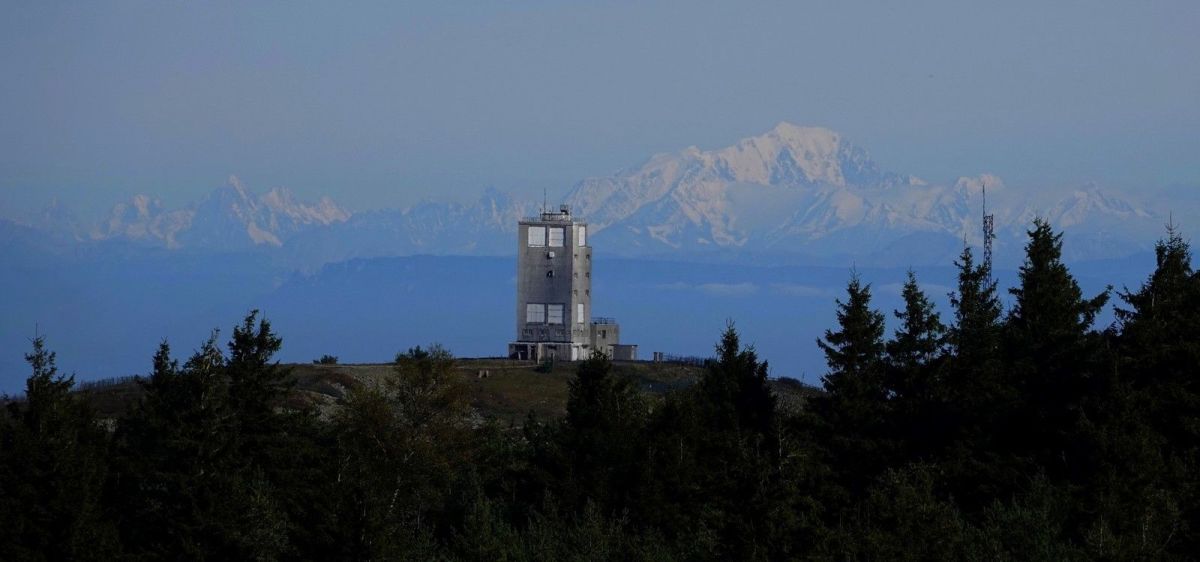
point(579, 313)
point(556, 237)
point(550, 273)
point(554, 314)
point(537, 236)
point(582, 235)
point(535, 313)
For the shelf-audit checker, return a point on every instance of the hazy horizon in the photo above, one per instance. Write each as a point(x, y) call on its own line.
point(385, 105)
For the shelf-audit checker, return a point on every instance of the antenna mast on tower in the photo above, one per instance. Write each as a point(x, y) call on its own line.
point(989, 230)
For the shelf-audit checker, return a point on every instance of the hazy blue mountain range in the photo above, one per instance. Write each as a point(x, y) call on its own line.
point(106, 317)
point(798, 195)
point(806, 193)
point(763, 232)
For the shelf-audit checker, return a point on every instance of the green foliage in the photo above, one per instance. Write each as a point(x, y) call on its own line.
point(903, 517)
point(1054, 355)
point(326, 360)
point(1159, 366)
point(974, 338)
point(854, 352)
point(606, 416)
point(1026, 436)
point(851, 417)
point(400, 445)
point(52, 471)
point(915, 374)
point(977, 397)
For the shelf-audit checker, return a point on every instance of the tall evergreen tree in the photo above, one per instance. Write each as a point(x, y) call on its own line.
point(917, 344)
point(854, 410)
point(1049, 317)
point(1055, 355)
point(738, 448)
point(975, 336)
point(178, 481)
point(256, 386)
point(713, 461)
point(53, 464)
point(1159, 347)
point(978, 400)
point(602, 436)
point(210, 464)
point(915, 357)
point(734, 389)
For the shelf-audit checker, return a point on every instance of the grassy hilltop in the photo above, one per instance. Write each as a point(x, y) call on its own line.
point(508, 392)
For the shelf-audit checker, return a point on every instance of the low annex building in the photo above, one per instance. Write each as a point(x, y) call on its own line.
point(554, 294)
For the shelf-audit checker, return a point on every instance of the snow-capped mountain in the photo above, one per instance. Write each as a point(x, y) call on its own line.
point(486, 226)
point(693, 187)
point(807, 191)
point(793, 194)
point(231, 217)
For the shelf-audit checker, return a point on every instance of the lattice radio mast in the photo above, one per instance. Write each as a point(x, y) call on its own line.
point(989, 230)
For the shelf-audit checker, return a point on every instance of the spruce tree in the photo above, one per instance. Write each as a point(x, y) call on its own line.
point(854, 410)
point(1055, 355)
point(915, 356)
point(180, 476)
point(1049, 315)
point(734, 389)
point(256, 386)
point(713, 462)
point(1159, 366)
point(974, 337)
point(917, 344)
point(601, 436)
point(738, 449)
point(53, 465)
point(978, 401)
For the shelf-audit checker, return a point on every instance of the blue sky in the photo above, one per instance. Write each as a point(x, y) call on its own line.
point(382, 104)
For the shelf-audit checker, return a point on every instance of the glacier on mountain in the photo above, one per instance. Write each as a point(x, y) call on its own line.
point(793, 194)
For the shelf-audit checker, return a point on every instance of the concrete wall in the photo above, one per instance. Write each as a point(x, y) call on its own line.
point(554, 275)
point(554, 268)
point(604, 336)
point(624, 352)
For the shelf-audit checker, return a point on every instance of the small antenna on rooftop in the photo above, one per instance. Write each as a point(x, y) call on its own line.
point(545, 201)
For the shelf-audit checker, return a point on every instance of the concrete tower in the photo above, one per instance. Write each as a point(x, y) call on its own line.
point(554, 293)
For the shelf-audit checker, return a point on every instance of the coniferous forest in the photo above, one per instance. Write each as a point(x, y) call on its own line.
point(984, 432)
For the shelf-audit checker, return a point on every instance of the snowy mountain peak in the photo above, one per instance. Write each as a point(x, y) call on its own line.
point(229, 217)
point(697, 190)
point(813, 142)
point(282, 201)
point(809, 190)
point(785, 154)
point(236, 183)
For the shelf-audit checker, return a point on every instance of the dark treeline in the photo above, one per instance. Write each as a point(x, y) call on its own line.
point(983, 433)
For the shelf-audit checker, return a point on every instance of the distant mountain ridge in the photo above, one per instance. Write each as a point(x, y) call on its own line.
point(230, 217)
point(793, 193)
point(806, 191)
